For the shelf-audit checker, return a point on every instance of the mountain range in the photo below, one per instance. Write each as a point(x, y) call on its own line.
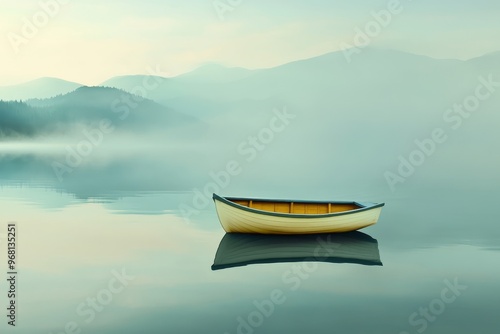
point(40, 88)
point(86, 106)
point(351, 122)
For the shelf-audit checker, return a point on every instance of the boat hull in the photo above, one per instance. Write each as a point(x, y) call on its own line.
point(235, 219)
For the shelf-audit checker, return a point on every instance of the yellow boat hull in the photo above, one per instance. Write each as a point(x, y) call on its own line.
point(259, 217)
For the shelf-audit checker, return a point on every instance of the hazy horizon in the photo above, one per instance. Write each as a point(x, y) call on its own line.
point(215, 63)
point(178, 37)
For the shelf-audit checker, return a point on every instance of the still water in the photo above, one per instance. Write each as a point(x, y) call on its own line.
point(130, 262)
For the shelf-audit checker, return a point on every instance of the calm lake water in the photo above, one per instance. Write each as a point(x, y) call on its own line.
point(129, 262)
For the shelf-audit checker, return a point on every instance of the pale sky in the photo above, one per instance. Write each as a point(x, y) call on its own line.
point(89, 41)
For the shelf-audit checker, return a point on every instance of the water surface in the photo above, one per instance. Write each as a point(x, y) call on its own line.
point(439, 268)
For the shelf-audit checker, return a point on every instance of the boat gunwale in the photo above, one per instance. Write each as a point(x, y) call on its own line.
point(228, 201)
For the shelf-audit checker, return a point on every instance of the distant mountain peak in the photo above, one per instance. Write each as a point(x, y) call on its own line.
point(217, 66)
point(215, 73)
point(489, 55)
point(129, 82)
point(97, 91)
point(42, 80)
point(214, 65)
point(40, 88)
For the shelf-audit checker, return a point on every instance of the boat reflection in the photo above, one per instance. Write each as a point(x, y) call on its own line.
point(237, 249)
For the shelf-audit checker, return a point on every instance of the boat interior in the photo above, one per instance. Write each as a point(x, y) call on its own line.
point(297, 207)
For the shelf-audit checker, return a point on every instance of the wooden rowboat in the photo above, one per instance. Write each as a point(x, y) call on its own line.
point(239, 249)
point(270, 216)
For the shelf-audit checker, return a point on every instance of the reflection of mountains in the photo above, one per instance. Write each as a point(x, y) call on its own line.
point(243, 249)
point(141, 172)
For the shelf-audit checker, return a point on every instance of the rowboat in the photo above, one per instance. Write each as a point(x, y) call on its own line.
point(273, 216)
point(239, 249)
